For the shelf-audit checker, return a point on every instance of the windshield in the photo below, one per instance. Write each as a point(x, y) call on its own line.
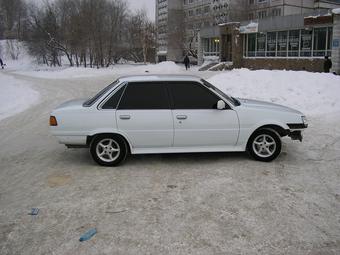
point(232, 100)
point(92, 100)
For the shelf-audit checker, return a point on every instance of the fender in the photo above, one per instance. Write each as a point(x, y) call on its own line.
point(245, 133)
point(111, 131)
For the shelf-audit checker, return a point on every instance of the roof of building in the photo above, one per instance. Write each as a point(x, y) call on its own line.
point(139, 78)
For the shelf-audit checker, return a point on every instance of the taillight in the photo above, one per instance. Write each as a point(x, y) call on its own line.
point(53, 121)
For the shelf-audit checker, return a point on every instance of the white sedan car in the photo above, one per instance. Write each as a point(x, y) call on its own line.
point(172, 114)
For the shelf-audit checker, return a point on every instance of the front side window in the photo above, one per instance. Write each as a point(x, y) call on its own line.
point(144, 96)
point(190, 95)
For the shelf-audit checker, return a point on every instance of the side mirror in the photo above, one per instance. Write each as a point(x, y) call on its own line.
point(221, 105)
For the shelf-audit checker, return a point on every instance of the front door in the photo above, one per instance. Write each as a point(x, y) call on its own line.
point(144, 115)
point(197, 121)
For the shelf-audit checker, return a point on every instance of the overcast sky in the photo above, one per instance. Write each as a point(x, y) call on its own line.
point(149, 5)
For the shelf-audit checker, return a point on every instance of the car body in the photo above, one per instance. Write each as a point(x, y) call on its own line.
point(173, 114)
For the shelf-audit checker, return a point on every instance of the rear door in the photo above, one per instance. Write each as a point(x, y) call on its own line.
point(144, 115)
point(197, 121)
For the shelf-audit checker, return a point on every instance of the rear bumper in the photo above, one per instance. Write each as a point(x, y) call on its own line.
point(76, 141)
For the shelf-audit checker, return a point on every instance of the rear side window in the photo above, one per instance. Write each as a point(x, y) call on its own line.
point(190, 95)
point(144, 96)
point(114, 99)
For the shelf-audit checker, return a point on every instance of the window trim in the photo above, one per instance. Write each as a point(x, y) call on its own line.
point(108, 96)
point(94, 100)
point(145, 82)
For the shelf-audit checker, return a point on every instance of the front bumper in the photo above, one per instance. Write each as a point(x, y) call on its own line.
point(296, 135)
point(295, 132)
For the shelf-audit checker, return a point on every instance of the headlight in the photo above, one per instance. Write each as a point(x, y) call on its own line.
point(304, 120)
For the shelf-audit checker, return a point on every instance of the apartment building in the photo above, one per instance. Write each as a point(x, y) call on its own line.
point(204, 28)
point(179, 22)
point(260, 9)
point(292, 35)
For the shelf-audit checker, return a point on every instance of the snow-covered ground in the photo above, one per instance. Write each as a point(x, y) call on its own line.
point(119, 69)
point(15, 96)
point(311, 93)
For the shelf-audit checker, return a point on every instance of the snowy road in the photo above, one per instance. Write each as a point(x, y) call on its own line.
point(164, 204)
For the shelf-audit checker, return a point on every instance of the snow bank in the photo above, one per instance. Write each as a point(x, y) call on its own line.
point(311, 93)
point(336, 11)
point(129, 69)
point(15, 55)
point(16, 96)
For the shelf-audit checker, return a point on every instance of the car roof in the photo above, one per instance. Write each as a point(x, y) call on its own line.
point(141, 78)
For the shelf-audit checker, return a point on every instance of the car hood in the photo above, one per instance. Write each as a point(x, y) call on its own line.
point(71, 104)
point(266, 105)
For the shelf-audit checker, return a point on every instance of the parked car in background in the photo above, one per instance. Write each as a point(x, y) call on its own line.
point(172, 114)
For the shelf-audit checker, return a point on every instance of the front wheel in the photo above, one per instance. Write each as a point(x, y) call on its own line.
point(265, 145)
point(108, 150)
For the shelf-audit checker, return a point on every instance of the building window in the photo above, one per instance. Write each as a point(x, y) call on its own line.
point(320, 40)
point(211, 47)
point(329, 41)
point(306, 43)
point(271, 44)
point(303, 43)
point(293, 43)
point(282, 44)
point(261, 45)
point(262, 14)
point(276, 12)
point(250, 15)
point(206, 9)
point(251, 45)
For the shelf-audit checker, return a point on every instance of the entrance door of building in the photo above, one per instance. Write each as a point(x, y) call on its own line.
point(228, 47)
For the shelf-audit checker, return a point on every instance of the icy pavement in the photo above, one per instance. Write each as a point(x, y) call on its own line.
point(219, 203)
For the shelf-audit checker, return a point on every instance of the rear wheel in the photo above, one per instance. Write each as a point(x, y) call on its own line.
point(265, 145)
point(108, 150)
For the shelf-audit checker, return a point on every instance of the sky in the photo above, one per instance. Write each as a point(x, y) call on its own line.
point(149, 5)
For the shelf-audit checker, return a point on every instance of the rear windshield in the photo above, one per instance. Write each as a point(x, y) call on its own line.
point(92, 100)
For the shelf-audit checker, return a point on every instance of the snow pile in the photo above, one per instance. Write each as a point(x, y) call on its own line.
point(15, 55)
point(117, 70)
point(336, 11)
point(163, 67)
point(311, 93)
point(16, 96)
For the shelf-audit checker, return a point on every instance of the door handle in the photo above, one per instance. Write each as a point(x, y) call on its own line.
point(125, 117)
point(181, 117)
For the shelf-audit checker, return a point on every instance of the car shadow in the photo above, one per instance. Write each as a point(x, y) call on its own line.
point(82, 157)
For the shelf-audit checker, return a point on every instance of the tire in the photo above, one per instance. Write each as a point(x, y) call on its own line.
point(265, 145)
point(109, 150)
